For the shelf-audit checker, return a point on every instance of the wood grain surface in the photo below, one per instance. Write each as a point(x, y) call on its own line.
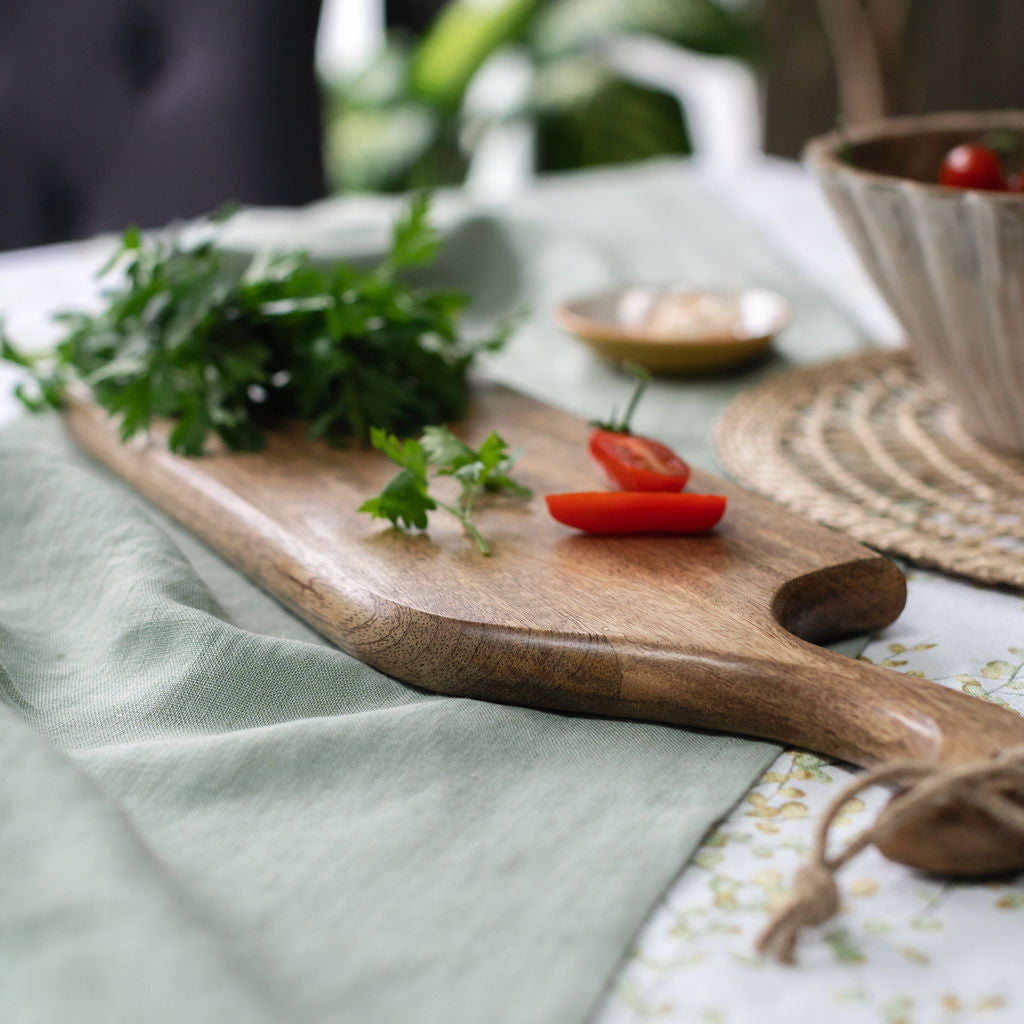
point(718, 631)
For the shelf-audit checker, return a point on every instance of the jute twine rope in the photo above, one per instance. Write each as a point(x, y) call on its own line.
point(986, 785)
point(870, 447)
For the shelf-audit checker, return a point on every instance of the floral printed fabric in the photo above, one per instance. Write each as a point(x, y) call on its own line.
point(905, 949)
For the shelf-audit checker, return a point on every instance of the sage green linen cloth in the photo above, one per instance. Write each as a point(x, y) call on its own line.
point(210, 814)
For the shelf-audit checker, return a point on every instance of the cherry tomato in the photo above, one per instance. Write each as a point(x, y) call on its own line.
point(635, 463)
point(972, 165)
point(636, 511)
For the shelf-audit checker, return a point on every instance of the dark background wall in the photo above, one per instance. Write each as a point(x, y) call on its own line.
point(950, 55)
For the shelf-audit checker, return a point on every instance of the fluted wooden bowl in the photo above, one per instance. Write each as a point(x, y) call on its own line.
point(949, 262)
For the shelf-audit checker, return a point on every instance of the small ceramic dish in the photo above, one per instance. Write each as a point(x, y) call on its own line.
point(670, 329)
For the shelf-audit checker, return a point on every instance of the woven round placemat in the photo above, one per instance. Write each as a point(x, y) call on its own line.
point(869, 446)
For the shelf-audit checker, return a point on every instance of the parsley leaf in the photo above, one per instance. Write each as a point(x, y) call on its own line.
point(404, 499)
point(413, 244)
point(442, 448)
point(187, 334)
point(406, 496)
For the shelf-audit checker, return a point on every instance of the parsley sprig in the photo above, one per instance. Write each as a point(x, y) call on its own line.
point(187, 334)
point(406, 499)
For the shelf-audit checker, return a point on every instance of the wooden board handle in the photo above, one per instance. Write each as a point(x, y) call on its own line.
point(860, 713)
point(821, 701)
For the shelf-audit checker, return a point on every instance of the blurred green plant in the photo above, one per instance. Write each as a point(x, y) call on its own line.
point(403, 124)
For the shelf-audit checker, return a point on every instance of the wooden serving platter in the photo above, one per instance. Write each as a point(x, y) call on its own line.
point(717, 631)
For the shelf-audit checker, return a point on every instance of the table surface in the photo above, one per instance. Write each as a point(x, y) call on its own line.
point(904, 948)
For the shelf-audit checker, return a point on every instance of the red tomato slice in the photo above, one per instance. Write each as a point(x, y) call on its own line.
point(636, 511)
point(635, 463)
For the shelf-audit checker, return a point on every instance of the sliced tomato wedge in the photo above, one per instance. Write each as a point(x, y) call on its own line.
point(636, 511)
point(635, 463)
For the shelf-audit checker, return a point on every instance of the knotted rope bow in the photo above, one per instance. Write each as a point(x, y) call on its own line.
point(984, 785)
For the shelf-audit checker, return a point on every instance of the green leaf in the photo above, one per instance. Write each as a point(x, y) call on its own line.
point(224, 212)
point(462, 37)
point(404, 501)
point(493, 452)
point(131, 240)
point(9, 353)
point(32, 402)
point(703, 25)
point(408, 453)
point(189, 434)
point(444, 450)
point(414, 242)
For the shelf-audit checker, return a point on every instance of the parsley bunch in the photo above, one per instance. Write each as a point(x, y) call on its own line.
point(406, 499)
point(186, 335)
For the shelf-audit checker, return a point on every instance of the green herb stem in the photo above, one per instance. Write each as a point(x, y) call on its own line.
point(615, 425)
point(464, 516)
